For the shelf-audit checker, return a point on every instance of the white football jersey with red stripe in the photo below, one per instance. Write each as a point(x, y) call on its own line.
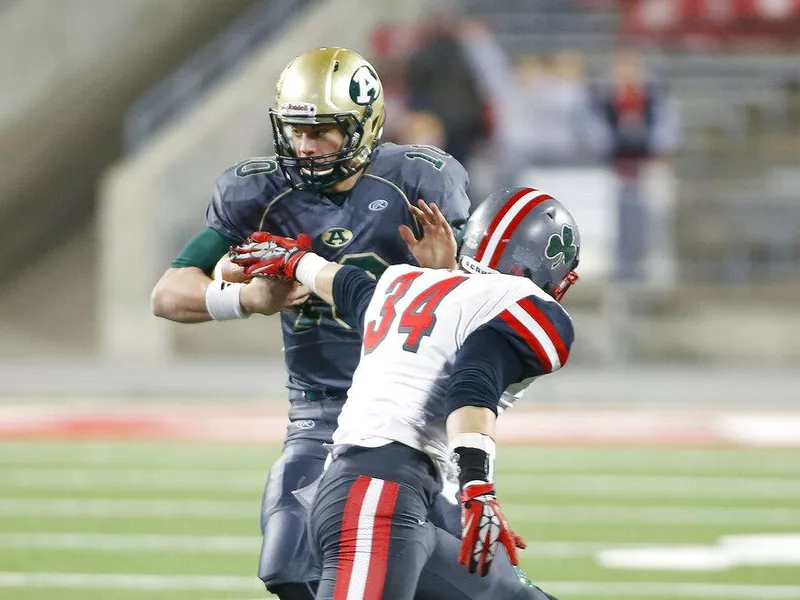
point(415, 323)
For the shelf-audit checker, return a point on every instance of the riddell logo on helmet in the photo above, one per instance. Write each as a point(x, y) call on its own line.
point(471, 241)
point(298, 109)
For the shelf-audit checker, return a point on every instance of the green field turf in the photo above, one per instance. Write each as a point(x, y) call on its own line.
point(179, 521)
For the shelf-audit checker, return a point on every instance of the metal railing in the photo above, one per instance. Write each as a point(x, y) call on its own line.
point(171, 97)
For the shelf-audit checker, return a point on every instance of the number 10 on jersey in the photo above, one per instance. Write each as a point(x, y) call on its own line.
point(417, 320)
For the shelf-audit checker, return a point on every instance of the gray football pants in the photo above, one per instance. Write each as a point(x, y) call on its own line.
point(369, 525)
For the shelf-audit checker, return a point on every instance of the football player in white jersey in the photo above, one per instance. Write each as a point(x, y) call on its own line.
point(440, 347)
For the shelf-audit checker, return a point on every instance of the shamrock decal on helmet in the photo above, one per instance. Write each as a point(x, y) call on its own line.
point(561, 247)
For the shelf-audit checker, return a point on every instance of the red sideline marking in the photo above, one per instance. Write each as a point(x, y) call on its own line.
point(266, 423)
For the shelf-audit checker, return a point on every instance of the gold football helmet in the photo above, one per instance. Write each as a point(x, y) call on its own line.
point(327, 86)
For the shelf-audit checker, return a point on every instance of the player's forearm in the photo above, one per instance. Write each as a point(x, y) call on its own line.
point(316, 273)
point(180, 295)
point(471, 419)
point(470, 430)
point(475, 386)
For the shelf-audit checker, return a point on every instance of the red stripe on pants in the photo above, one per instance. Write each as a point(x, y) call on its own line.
point(381, 534)
point(349, 536)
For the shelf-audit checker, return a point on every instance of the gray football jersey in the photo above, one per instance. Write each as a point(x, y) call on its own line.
point(321, 344)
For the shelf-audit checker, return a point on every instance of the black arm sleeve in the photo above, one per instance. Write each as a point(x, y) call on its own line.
point(352, 291)
point(484, 367)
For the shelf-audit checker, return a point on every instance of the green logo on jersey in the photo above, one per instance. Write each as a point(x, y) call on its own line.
point(561, 247)
point(336, 237)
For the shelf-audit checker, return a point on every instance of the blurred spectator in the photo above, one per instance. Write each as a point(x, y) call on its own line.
point(490, 160)
point(420, 127)
point(640, 120)
point(530, 77)
point(455, 89)
point(558, 123)
point(440, 80)
point(640, 125)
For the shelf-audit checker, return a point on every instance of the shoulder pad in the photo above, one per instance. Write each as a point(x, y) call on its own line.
point(428, 167)
point(241, 194)
point(260, 175)
point(540, 329)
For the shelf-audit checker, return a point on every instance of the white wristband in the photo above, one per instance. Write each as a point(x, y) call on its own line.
point(480, 441)
point(308, 268)
point(222, 301)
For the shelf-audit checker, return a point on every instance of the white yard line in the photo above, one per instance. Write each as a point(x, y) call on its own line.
point(609, 484)
point(122, 478)
point(649, 460)
point(105, 508)
point(654, 515)
point(584, 484)
point(231, 544)
point(131, 543)
point(548, 459)
point(124, 581)
point(737, 550)
point(156, 454)
point(671, 590)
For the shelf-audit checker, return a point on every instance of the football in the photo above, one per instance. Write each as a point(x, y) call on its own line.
point(228, 271)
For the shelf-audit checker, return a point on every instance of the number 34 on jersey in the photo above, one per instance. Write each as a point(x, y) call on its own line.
point(419, 317)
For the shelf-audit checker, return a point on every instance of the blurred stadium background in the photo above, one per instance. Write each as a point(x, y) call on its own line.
point(663, 463)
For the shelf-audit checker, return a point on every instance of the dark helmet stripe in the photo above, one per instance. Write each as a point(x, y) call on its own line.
point(506, 222)
point(501, 246)
point(496, 221)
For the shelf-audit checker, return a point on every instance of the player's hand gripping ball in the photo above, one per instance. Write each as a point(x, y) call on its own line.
point(267, 255)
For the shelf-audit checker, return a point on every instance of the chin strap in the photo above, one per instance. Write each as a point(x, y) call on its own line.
point(561, 288)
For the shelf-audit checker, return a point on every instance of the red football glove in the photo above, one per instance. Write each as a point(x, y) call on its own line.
point(267, 255)
point(483, 527)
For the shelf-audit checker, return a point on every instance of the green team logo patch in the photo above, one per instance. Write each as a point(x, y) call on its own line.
point(365, 87)
point(561, 247)
point(336, 237)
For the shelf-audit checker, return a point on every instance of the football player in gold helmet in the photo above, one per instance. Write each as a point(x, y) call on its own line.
point(331, 178)
point(327, 119)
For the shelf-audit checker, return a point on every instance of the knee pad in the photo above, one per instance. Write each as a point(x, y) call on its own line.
point(293, 591)
point(286, 555)
point(299, 465)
